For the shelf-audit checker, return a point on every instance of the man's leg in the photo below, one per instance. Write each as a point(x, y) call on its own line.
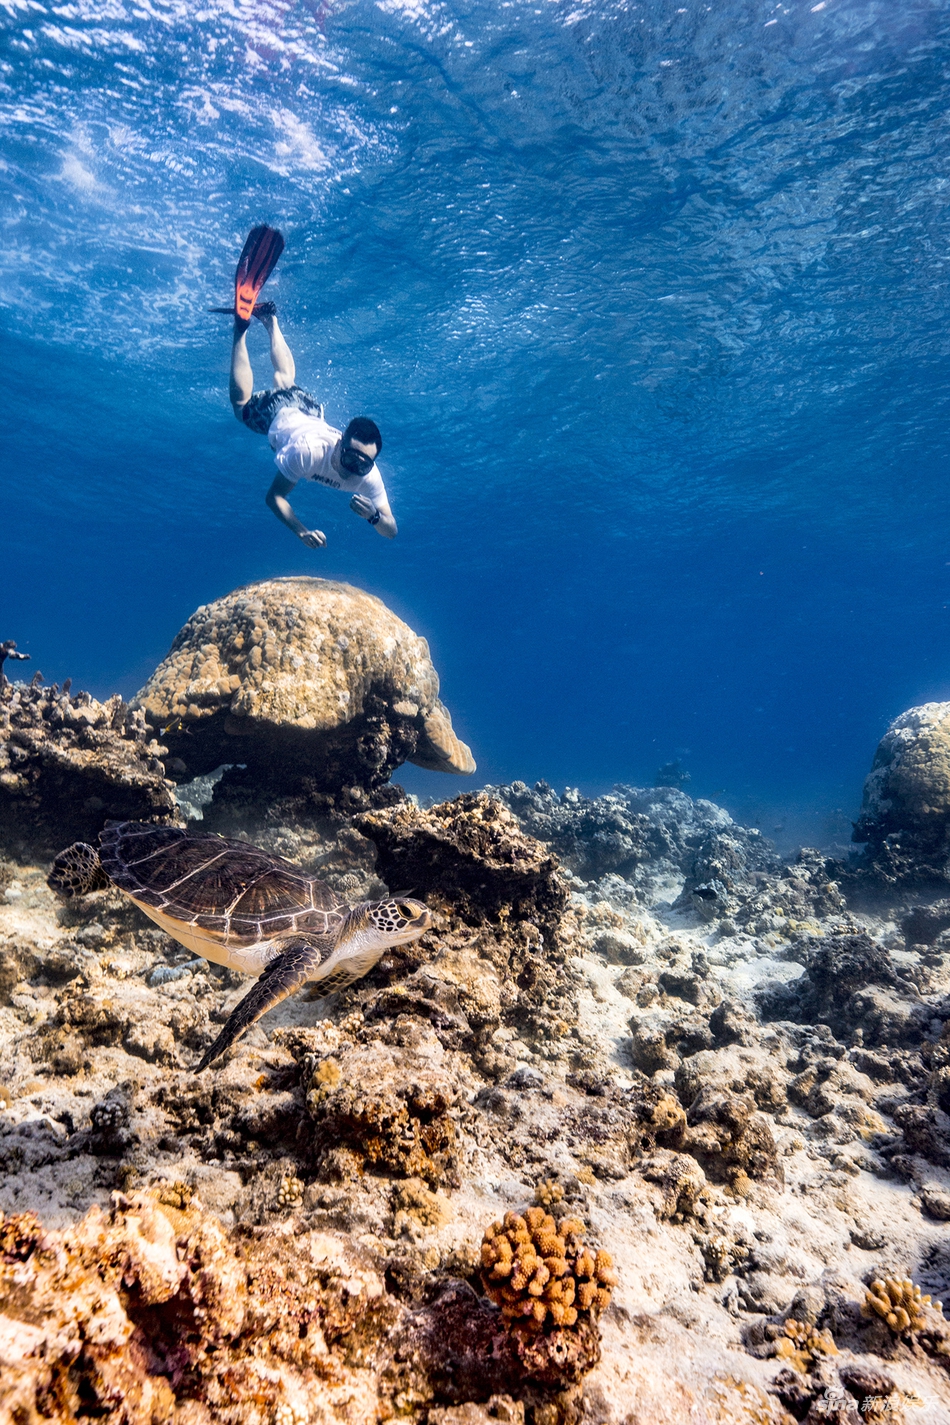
point(285, 372)
point(241, 385)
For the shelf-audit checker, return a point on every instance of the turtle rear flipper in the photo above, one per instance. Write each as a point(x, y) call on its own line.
point(285, 974)
point(77, 871)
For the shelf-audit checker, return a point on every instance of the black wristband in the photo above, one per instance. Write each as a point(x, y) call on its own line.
point(375, 517)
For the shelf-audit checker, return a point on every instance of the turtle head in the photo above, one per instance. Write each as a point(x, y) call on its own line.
point(386, 923)
point(77, 871)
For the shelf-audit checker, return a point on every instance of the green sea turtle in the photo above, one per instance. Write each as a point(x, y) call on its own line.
point(242, 907)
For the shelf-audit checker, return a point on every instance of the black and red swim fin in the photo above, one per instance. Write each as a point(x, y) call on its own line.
point(256, 263)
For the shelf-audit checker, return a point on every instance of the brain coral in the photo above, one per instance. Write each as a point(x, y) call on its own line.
point(302, 677)
point(908, 787)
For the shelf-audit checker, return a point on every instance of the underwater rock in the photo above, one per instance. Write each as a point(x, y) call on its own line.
point(471, 852)
point(154, 1310)
point(68, 764)
point(479, 872)
point(925, 1131)
point(904, 822)
point(651, 844)
point(729, 1140)
point(680, 1179)
point(836, 967)
point(349, 1158)
point(737, 880)
point(924, 924)
point(375, 1108)
point(153, 1304)
point(908, 787)
point(641, 834)
point(851, 983)
point(314, 685)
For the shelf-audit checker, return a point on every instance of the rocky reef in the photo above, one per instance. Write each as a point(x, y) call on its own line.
point(639, 1061)
point(69, 763)
point(316, 687)
point(290, 701)
point(152, 1310)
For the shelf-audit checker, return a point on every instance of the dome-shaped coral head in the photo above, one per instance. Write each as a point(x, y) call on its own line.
point(541, 1273)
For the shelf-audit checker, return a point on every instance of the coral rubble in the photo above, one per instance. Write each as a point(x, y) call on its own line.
point(744, 1094)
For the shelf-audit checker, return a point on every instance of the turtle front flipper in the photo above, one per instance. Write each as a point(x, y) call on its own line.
point(285, 974)
point(336, 973)
point(77, 871)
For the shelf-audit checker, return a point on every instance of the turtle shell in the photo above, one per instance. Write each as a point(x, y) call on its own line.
point(233, 892)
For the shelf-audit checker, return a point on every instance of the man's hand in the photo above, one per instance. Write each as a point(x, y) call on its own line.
point(313, 538)
point(363, 507)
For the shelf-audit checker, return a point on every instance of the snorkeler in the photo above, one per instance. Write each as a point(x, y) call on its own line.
point(305, 447)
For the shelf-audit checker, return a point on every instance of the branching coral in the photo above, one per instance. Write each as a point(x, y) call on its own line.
point(898, 1302)
point(800, 1344)
point(548, 1192)
point(540, 1272)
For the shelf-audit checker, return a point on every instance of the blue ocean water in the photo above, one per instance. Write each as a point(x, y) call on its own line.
point(649, 300)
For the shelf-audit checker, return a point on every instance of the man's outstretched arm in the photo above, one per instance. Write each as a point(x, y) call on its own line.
point(276, 500)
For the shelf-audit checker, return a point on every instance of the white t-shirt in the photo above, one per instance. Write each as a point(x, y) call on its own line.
point(302, 446)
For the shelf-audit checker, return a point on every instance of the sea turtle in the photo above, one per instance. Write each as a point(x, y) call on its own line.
point(242, 907)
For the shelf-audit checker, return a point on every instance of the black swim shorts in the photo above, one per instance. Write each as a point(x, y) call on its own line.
point(263, 406)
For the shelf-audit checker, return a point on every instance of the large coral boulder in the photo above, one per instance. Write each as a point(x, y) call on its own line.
point(905, 814)
point(68, 764)
point(908, 787)
point(302, 679)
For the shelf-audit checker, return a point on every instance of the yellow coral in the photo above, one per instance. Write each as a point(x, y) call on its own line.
point(327, 1074)
point(898, 1302)
point(290, 1192)
point(548, 1192)
point(668, 1114)
point(538, 1270)
point(801, 1343)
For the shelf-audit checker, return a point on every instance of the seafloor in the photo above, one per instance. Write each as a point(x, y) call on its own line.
point(629, 1010)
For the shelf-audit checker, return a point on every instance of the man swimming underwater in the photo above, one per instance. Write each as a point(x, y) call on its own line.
point(305, 447)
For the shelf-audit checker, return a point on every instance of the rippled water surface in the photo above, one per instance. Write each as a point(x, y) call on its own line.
point(650, 302)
